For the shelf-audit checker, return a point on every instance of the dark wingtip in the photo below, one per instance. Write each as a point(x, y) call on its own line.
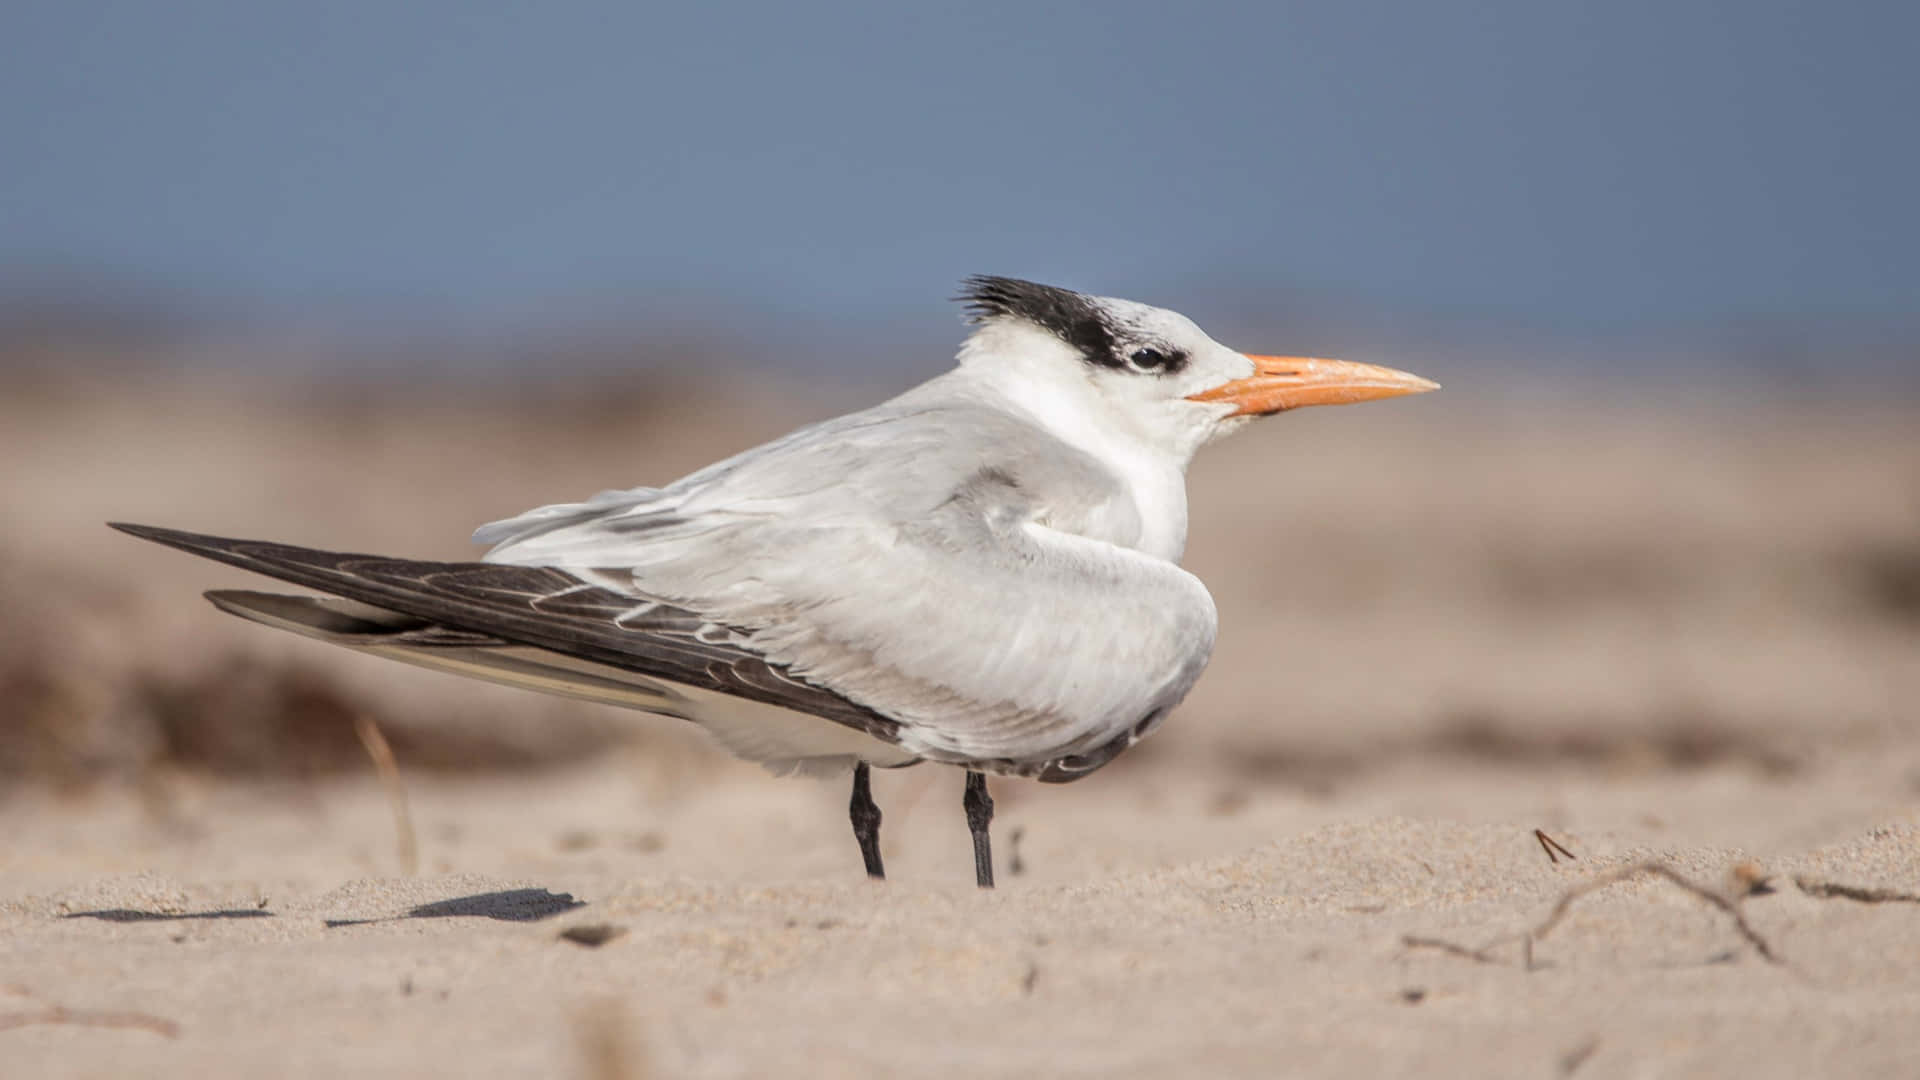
point(171, 537)
point(211, 547)
point(144, 532)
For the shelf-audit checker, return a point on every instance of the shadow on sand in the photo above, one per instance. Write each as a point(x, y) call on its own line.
point(130, 915)
point(509, 905)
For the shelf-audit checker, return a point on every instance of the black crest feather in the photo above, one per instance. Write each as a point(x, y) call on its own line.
point(1066, 314)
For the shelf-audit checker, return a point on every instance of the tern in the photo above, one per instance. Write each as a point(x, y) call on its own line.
point(982, 572)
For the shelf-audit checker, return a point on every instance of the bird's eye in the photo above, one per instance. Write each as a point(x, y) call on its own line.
point(1149, 359)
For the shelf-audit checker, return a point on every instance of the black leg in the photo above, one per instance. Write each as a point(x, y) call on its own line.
point(979, 807)
point(866, 822)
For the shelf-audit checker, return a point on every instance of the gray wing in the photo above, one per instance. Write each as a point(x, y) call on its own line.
point(946, 565)
point(468, 605)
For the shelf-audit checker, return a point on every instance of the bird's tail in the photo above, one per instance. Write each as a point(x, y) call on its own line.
point(414, 641)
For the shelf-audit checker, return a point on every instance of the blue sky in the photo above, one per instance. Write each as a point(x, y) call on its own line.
point(1565, 167)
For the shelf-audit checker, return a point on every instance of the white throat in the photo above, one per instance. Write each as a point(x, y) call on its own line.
point(1030, 372)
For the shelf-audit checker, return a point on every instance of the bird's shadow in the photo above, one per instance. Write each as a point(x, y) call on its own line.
point(508, 905)
point(132, 915)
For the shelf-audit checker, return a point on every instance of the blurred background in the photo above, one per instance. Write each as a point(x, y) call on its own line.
point(364, 275)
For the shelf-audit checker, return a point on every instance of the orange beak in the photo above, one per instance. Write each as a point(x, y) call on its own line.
point(1288, 382)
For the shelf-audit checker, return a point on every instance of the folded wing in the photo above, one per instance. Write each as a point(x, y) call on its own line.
point(475, 604)
point(955, 569)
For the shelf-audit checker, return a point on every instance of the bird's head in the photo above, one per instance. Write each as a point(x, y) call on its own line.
point(1154, 370)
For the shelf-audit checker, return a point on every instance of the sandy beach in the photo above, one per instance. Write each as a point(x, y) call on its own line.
point(1684, 639)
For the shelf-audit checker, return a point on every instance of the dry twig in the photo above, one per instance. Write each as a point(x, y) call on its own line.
point(1660, 870)
point(1549, 845)
point(1484, 954)
point(389, 770)
point(60, 1014)
point(1478, 956)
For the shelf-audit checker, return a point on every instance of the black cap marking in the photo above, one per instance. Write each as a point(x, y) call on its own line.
point(1065, 314)
point(1070, 316)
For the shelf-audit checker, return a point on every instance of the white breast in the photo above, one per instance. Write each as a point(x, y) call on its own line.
point(1156, 481)
point(1160, 492)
